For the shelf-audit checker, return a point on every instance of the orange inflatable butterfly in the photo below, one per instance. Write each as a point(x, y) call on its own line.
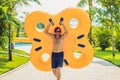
point(77, 38)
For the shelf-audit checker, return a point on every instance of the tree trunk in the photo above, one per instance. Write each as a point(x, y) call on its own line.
point(10, 49)
point(113, 52)
point(10, 43)
point(103, 48)
point(90, 33)
point(112, 28)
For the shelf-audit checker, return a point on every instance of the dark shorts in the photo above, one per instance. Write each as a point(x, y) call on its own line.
point(57, 59)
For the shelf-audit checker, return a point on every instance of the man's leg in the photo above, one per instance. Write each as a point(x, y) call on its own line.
point(59, 65)
point(54, 71)
point(58, 73)
point(54, 63)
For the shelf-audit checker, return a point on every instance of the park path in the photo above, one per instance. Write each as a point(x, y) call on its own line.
point(98, 69)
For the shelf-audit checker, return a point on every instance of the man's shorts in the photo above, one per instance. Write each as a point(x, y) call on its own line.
point(57, 59)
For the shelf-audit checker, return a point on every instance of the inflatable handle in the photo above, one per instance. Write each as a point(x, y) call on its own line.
point(50, 20)
point(61, 20)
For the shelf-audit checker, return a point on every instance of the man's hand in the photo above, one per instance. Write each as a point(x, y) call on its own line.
point(61, 21)
point(51, 22)
point(66, 31)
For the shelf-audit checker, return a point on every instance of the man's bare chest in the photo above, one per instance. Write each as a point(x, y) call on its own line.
point(58, 41)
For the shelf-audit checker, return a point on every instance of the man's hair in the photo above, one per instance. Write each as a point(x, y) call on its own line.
point(57, 29)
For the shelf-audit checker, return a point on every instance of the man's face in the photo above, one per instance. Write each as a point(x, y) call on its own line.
point(57, 34)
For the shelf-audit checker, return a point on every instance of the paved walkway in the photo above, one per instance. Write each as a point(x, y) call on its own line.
point(98, 70)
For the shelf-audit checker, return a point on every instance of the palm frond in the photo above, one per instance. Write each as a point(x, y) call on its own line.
point(23, 2)
point(8, 2)
point(82, 3)
point(36, 1)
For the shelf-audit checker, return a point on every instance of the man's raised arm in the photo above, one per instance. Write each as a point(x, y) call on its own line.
point(66, 31)
point(46, 30)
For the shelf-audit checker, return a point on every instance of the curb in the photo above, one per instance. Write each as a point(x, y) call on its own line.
point(4, 74)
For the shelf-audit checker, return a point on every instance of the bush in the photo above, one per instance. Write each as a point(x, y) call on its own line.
point(103, 36)
point(94, 39)
point(117, 43)
point(117, 38)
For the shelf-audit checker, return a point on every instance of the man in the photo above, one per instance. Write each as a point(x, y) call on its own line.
point(57, 54)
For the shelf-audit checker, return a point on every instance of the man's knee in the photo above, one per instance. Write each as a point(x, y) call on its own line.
point(58, 69)
point(54, 70)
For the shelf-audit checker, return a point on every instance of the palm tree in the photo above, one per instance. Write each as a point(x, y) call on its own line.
point(7, 22)
point(3, 27)
point(82, 3)
point(11, 20)
point(111, 14)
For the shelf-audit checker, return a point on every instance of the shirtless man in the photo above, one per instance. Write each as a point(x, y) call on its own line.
point(57, 54)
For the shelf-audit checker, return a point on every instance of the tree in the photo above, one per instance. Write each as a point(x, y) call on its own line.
point(109, 16)
point(117, 38)
point(3, 27)
point(7, 21)
point(103, 36)
point(81, 4)
point(11, 20)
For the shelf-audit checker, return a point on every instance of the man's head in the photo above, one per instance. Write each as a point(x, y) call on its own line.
point(57, 32)
point(57, 29)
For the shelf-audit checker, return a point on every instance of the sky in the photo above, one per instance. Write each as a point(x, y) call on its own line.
point(50, 6)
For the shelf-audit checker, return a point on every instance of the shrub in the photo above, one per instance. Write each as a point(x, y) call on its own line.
point(117, 42)
point(103, 36)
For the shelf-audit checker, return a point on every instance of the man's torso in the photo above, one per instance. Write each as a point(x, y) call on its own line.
point(58, 44)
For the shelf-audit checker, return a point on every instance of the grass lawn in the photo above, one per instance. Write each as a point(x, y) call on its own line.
point(6, 65)
point(107, 55)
